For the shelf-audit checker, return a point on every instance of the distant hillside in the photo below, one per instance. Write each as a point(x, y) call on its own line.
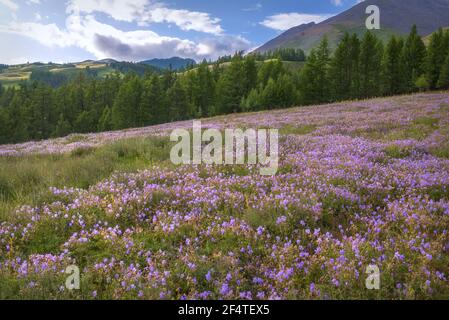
point(397, 17)
point(175, 63)
point(56, 74)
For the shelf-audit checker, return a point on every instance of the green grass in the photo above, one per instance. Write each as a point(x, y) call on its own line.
point(397, 152)
point(298, 130)
point(419, 129)
point(27, 179)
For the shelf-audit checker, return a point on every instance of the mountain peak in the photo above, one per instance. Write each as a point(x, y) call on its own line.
point(396, 17)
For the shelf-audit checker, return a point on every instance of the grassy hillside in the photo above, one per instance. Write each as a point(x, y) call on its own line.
point(359, 183)
point(13, 75)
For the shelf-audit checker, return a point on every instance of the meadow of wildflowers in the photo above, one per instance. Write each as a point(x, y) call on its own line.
point(360, 183)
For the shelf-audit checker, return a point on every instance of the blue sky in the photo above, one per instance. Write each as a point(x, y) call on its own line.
point(134, 30)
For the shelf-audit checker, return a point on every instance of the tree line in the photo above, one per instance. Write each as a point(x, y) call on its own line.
point(357, 69)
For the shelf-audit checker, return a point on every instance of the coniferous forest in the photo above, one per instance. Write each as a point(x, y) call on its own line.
point(357, 69)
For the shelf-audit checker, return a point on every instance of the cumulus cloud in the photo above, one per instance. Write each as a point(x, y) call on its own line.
point(10, 4)
point(83, 30)
point(46, 34)
point(184, 19)
point(222, 45)
point(285, 21)
point(145, 12)
point(106, 41)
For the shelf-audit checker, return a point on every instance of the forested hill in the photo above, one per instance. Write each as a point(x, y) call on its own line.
point(55, 74)
point(358, 68)
point(174, 63)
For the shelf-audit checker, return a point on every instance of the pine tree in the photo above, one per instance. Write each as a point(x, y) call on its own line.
point(105, 121)
point(231, 87)
point(270, 97)
point(177, 102)
point(86, 122)
point(436, 54)
point(41, 105)
point(250, 73)
point(314, 78)
point(355, 57)
point(323, 62)
point(204, 93)
point(253, 101)
point(370, 61)
point(4, 127)
point(422, 84)
point(308, 87)
point(413, 59)
point(126, 109)
point(153, 99)
point(286, 92)
point(63, 127)
point(443, 82)
point(341, 71)
point(271, 69)
point(392, 71)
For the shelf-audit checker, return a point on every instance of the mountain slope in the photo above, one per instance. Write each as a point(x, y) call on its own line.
point(397, 16)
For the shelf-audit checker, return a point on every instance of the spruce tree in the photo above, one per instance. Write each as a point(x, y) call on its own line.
point(443, 82)
point(126, 109)
point(392, 71)
point(204, 94)
point(413, 59)
point(341, 71)
point(177, 102)
point(322, 72)
point(4, 127)
point(253, 101)
point(355, 57)
point(105, 121)
point(63, 127)
point(231, 87)
point(250, 73)
point(314, 77)
point(370, 62)
point(436, 55)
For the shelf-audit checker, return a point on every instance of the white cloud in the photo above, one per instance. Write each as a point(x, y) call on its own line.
point(120, 10)
point(30, 2)
point(145, 11)
point(83, 30)
point(285, 21)
point(46, 34)
point(184, 19)
point(105, 41)
point(10, 4)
